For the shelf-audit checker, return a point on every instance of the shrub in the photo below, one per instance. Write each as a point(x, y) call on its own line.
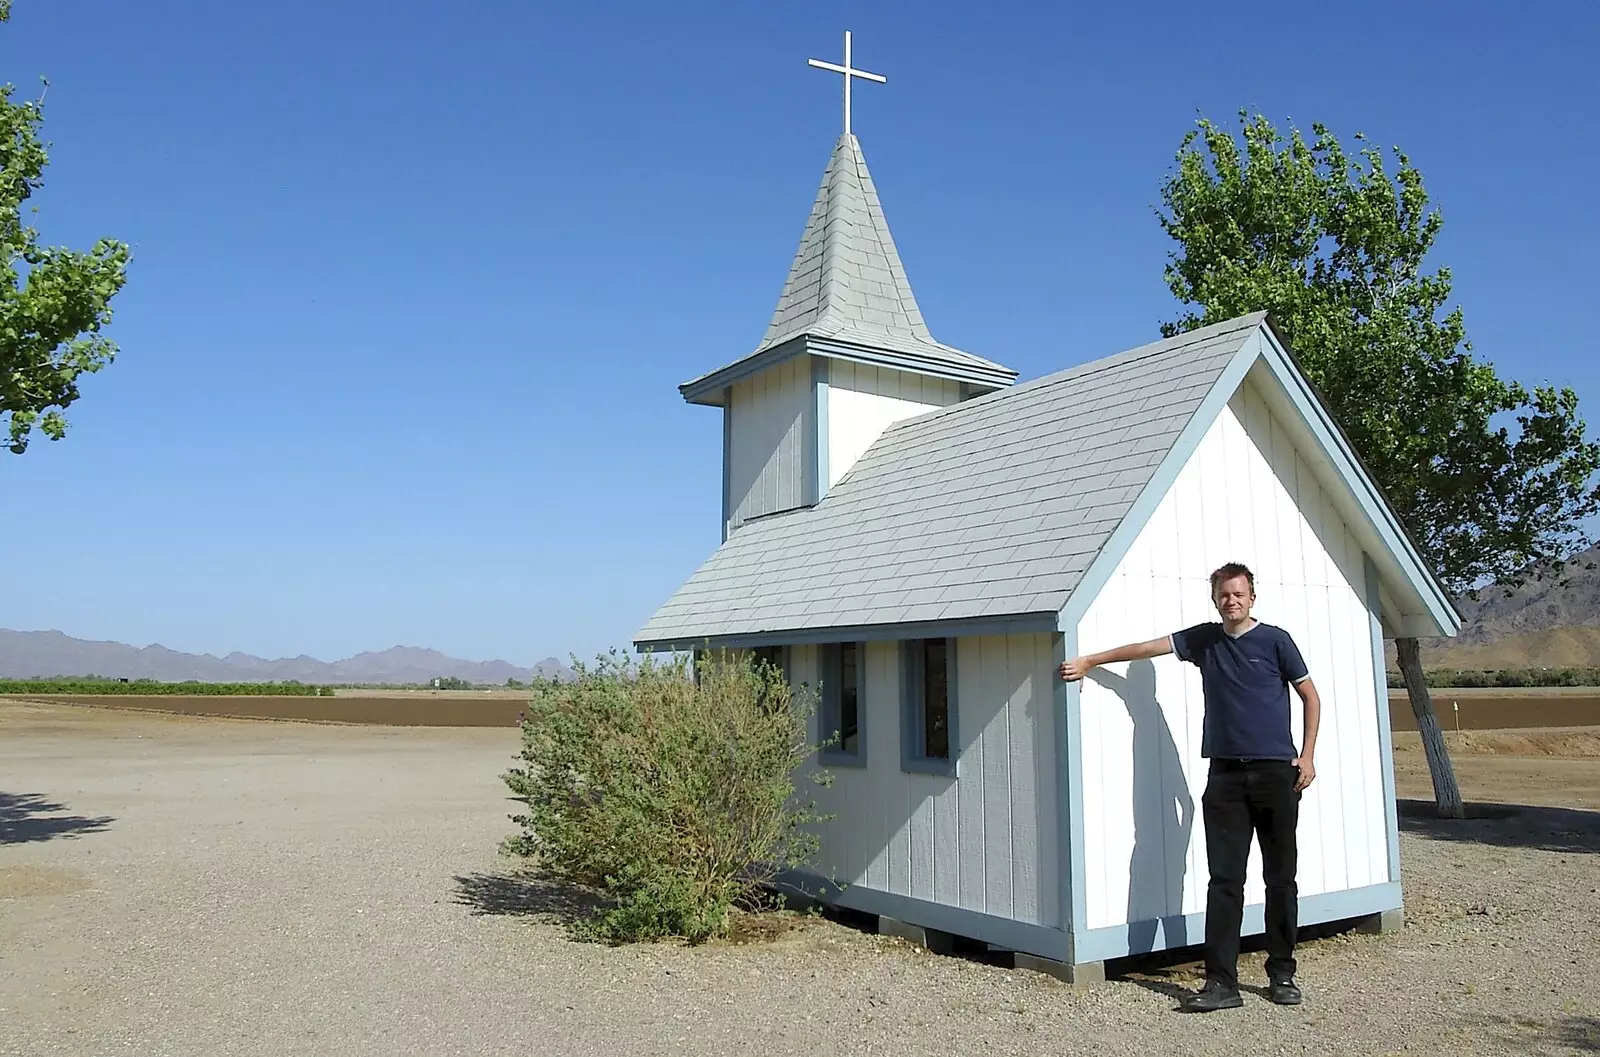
point(673, 793)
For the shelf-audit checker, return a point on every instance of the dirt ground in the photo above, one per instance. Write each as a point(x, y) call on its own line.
point(1473, 708)
point(399, 708)
point(187, 886)
point(1547, 768)
point(1470, 709)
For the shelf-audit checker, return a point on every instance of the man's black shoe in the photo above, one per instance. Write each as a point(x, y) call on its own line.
point(1284, 992)
point(1212, 997)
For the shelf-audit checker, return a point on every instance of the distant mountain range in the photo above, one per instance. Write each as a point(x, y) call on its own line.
point(1540, 623)
point(1537, 605)
point(1543, 623)
point(1550, 648)
point(29, 654)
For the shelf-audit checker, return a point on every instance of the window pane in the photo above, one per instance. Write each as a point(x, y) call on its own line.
point(849, 717)
point(935, 701)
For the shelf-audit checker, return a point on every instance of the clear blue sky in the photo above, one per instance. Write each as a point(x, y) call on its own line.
point(413, 283)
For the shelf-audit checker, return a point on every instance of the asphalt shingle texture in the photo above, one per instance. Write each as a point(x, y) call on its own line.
point(989, 508)
point(847, 282)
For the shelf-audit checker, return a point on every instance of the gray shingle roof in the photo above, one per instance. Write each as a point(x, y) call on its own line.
point(989, 508)
point(847, 283)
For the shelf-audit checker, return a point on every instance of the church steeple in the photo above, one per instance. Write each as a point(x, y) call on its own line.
point(847, 296)
point(846, 354)
point(847, 282)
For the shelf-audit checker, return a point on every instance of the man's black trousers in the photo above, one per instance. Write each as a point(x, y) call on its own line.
point(1245, 797)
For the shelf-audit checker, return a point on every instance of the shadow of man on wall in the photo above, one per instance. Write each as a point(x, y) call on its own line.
point(1163, 812)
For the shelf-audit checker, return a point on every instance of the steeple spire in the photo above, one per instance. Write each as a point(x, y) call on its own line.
point(847, 283)
point(847, 296)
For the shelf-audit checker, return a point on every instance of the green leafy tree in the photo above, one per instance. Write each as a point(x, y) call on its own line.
point(1493, 479)
point(53, 301)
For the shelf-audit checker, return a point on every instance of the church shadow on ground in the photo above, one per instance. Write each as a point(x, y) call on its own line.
point(1581, 1034)
point(27, 818)
point(1556, 829)
point(1567, 1033)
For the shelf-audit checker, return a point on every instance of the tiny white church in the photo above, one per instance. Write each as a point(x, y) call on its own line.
point(909, 526)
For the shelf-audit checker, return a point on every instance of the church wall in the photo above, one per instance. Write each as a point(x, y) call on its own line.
point(766, 440)
point(864, 400)
point(1246, 495)
point(984, 841)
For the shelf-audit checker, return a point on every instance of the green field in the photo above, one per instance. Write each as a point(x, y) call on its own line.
point(1505, 677)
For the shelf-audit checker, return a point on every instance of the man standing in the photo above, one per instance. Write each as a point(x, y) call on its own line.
point(1257, 776)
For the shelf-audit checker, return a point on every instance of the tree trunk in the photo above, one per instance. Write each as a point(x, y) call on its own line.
point(1446, 794)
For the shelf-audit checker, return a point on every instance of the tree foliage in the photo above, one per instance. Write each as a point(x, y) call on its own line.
point(1493, 479)
point(54, 302)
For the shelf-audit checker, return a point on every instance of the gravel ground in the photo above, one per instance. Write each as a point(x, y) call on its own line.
point(213, 887)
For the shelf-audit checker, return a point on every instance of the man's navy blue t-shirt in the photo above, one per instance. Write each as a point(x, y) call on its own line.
point(1246, 680)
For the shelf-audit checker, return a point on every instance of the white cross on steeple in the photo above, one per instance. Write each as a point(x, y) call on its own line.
point(849, 72)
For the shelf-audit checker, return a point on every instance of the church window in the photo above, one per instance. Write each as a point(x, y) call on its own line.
point(929, 715)
point(841, 709)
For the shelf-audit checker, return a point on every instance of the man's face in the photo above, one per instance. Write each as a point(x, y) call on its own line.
point(1234, 598)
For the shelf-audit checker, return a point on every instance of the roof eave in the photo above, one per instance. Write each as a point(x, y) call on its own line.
point(989, 376)
point(707, 389)
point(1020, 623)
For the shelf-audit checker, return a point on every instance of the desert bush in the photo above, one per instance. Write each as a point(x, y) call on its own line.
point(673, 792)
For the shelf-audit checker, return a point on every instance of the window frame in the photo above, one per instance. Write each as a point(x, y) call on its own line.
point(913, 710)
point(830, 710)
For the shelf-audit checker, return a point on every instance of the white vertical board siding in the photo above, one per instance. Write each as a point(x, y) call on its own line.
point(1245, 495)
point(767, 441)
point(984, 840)
point(863, 401)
